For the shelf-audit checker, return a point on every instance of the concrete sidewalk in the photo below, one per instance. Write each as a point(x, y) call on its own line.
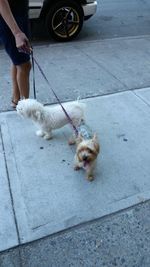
point(85, 69)
point(40, 194)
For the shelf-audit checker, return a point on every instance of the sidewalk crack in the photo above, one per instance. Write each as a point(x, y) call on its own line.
point(141, 98)
point(9, 186)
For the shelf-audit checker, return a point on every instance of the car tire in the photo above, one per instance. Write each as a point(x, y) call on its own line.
point(64, 20)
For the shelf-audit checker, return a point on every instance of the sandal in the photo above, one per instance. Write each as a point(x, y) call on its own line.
point(13, 104)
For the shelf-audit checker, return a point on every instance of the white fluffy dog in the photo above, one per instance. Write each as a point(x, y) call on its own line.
point(52, 117)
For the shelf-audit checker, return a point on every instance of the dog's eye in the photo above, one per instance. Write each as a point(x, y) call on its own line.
point(90, 151)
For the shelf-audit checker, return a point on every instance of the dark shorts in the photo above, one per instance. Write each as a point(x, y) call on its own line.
point(8, 40)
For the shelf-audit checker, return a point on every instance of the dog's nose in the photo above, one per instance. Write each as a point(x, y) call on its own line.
point(85, 157)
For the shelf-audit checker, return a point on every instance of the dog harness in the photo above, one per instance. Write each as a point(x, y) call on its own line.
point(84, 130)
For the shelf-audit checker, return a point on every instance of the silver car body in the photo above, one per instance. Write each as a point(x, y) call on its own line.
point(35, 7)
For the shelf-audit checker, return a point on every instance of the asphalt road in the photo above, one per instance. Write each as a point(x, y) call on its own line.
point(114, 18)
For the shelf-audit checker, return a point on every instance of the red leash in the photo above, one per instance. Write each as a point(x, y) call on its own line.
point(45, 78)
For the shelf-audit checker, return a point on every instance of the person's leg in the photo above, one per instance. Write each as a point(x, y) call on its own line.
point(15, 87)
point(20, 82)
point(22, 75)
point(21, 62)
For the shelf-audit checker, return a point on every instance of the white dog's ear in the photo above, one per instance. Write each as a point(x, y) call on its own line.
point(38, 115)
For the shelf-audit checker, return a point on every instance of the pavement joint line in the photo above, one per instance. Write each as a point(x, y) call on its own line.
point(9, 186)
point(95, 41)
point(76, 227)
point(140, 88)
point(102, 218)
point(87, 97)
point(76, 42)
point(101, 65)
point(141, 98)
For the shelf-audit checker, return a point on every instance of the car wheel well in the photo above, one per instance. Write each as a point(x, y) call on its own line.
point(48, 3)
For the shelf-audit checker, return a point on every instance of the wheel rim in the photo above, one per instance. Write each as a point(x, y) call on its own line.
point(65, 22)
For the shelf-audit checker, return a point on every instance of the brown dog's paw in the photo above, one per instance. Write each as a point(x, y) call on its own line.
point(90, 178)
point(76, 168)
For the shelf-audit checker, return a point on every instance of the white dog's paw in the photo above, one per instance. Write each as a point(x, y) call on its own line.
point(71, 141)
point(47, 136)
point(40, 133)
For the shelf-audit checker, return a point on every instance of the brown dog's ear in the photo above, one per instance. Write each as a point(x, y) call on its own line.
point(96, 144)
point(95, 138)
point(97, 147)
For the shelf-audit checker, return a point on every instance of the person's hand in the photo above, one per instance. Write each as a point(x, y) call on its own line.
point(22, 43)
